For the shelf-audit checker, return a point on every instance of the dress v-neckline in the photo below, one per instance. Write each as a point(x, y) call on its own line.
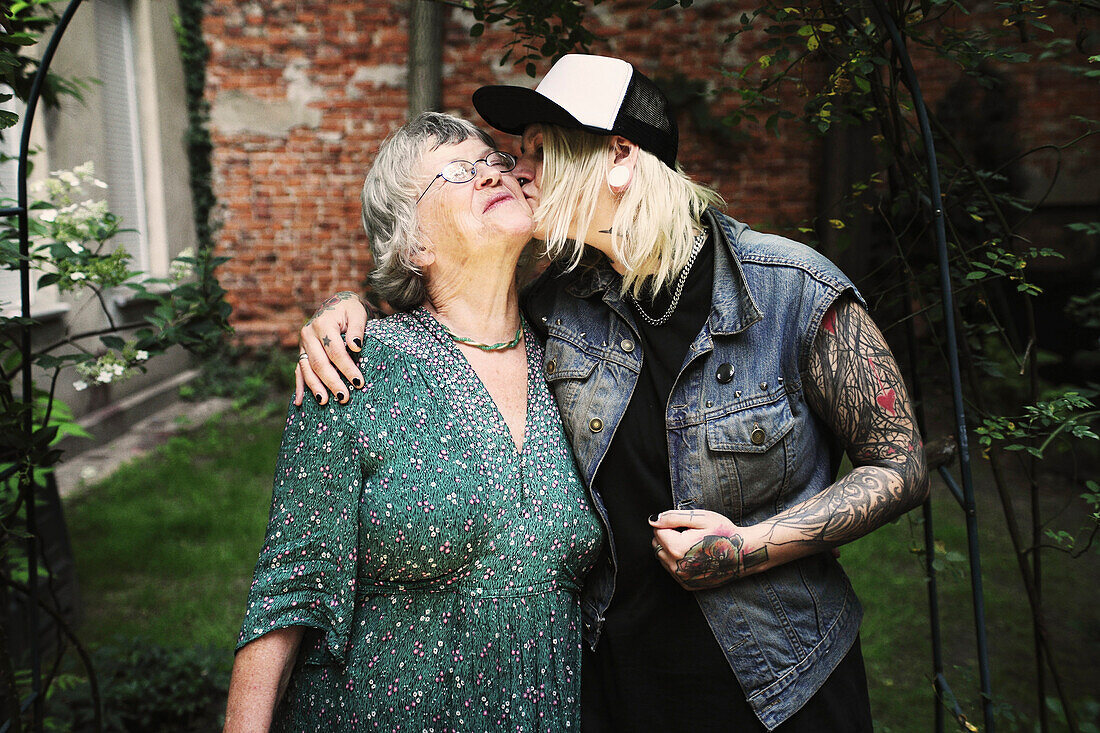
point(471, 374)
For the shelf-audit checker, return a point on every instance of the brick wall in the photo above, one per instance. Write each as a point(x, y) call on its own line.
point(303, 92)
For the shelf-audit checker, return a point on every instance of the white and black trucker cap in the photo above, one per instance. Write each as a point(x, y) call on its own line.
point(599, 94)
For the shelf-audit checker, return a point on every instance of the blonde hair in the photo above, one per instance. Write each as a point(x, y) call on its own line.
point(653, 230)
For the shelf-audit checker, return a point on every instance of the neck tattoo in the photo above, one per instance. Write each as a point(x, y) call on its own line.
point(699, 239)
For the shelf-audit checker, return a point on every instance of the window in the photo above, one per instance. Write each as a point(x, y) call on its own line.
point(125, 146)
point(122, 169)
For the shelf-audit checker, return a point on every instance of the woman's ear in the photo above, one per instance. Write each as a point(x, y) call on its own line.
point(624, 157)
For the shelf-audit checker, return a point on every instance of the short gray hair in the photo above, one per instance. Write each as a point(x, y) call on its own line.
point(389, 203)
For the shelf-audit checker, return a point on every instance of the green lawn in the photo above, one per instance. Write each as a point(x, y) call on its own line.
point(165, 549)
point(888, 575)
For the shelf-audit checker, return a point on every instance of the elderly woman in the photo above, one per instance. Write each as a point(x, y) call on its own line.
point(707, 375)
point(427, 538)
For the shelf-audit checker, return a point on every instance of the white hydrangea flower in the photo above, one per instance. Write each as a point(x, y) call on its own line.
point(104, 377)
point(85, 170)
point(76, 248)
point(141, 355)
point(179, 270)
point(78, 276)
point(80, 385)
point(118, 369)
point(55, 188)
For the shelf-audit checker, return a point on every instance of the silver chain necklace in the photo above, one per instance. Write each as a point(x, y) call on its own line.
point(695, 250)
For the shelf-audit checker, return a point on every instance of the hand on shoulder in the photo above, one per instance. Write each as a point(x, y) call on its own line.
point(324, 343)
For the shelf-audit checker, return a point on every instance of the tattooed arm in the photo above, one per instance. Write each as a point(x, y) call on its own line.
point(855, 386)
point(323, 340)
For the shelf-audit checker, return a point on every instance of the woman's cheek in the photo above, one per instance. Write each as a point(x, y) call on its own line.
point(538, 232)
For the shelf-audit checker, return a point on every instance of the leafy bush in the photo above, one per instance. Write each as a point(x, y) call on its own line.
point(147, 687)
point(258, 379)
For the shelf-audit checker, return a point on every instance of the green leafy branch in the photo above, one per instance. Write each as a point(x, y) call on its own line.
point(547, 29)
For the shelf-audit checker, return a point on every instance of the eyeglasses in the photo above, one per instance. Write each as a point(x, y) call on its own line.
point(463, 171)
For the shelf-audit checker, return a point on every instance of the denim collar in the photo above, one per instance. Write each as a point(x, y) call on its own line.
point(733, 308)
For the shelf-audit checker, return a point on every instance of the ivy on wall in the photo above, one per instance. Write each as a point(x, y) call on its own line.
point(193, 55)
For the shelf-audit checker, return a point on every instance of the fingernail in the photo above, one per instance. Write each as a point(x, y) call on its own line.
point(340, 397)
point(358, 343)
point(653, 517)
point(357, 382)
point(319, 398)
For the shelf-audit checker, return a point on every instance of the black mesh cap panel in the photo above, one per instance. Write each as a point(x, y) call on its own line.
point(644, 119)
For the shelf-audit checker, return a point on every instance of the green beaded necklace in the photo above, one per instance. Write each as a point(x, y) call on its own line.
point(486, 347)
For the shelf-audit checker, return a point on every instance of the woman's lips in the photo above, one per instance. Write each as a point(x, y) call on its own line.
point(499, 198)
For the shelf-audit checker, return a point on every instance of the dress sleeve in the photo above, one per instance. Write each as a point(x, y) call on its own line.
point(306, 572)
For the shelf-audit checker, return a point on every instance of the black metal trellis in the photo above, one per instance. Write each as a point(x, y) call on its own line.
point(964, 494)
point(26, 474)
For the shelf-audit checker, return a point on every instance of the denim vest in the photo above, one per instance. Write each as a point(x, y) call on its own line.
point(748, 447)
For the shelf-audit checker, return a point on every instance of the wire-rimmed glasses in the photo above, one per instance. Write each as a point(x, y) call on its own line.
point(463, 171)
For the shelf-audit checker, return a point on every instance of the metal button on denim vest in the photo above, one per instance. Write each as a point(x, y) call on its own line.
point(742, 441)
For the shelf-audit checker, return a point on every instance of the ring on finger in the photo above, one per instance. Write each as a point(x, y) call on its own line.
point(303, 356)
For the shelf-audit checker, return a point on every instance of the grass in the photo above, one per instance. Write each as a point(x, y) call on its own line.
point(887, 571)
point(165, 549)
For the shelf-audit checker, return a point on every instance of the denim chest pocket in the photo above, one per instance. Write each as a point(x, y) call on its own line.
point(753, 429)
point(752, 457)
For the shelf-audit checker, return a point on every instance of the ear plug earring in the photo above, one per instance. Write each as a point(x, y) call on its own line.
point(618, 176)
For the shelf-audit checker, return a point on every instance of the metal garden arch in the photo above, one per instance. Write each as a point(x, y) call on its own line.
point(964, 494)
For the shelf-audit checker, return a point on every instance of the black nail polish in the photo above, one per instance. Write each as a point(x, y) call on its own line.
point(357, 382)
point(653, 517)
point(340, 397)
point(358, 343)
point(319, 398)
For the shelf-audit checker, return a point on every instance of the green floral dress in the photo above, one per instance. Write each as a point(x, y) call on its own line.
point(436, 567)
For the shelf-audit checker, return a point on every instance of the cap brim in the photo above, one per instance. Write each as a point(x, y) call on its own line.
point(511, 109)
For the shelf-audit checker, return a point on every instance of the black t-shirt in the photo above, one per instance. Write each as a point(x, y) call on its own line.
point(658, 666)
point(657, 657)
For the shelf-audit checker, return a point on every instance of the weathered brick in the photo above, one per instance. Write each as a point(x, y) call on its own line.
point(289, 203)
